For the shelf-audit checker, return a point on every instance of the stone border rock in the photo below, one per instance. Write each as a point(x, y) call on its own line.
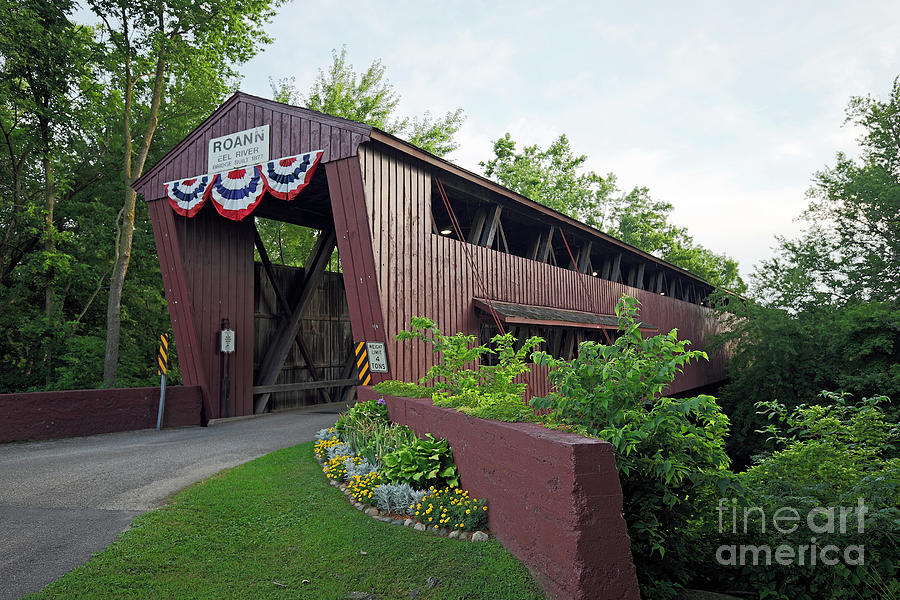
point(454, 534)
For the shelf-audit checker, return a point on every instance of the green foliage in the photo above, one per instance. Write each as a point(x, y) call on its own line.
point(825, 313)
point(402, 389)
point(425, 462)
point(369, 98)
point(553, 178)
point(784, 355)
point(398, 499)
point(460, 381)
point(639, 220)
point(669, 452)
point(556, 178)
point(850, 250)
point(832, 456)
point(451, 508)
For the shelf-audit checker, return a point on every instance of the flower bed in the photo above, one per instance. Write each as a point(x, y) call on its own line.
point(397, 477)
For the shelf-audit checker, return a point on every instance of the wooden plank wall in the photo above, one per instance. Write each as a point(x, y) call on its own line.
point(423, 274)
point(325, 328)
point(365, 299)
point(292, 131)
point(217, 255)
point(178, 297)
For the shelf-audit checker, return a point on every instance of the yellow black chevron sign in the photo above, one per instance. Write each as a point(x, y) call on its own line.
point(162, 355)
point(362, 364)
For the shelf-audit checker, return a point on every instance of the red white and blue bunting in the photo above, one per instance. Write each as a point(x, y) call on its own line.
point(237, 193)
point(188, 196)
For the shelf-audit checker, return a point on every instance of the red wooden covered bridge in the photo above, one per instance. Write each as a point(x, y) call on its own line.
point(416, 236)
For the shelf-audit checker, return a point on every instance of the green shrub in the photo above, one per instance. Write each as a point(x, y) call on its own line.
point(831, 457)
point(424, 463)
point(460, 381)
point(669, 452)
point(402, 389)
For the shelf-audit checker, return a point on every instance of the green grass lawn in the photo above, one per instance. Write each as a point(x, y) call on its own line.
point(260, 529)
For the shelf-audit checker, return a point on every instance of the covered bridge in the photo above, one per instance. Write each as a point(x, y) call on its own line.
point(416, 236)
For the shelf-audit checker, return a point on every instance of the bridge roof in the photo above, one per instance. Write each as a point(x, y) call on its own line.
point(340, 138)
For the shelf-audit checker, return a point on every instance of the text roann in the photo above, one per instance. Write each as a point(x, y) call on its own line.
point(240, 140)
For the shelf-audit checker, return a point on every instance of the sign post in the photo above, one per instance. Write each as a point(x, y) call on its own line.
point(226, 347)
point(162, 367)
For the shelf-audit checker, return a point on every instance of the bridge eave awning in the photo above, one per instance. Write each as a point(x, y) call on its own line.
point(548, 316)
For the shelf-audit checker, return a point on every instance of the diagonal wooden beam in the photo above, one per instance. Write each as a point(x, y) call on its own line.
point(639, 277)
point(281, 346)
point(477, 227)
point(583, 258)
point(503, 238)
point(285, 311)
point(545, 246)
point(615, 272)
point(490, 226)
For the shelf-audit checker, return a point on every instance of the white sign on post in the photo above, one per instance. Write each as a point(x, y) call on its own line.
point(239, 149)
point(377, 357)
point(226, 337)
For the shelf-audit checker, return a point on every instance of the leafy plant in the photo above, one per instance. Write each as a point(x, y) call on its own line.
point(357, 468)
point(451, 508)
point(461, 382)
point(669, 452)
point(402, 389)
point(397, 498)
point(831, 457)
point(425, 462)
point(339, 449)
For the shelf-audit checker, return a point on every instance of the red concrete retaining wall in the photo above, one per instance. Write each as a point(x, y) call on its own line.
point(49, 415)
point(554, 498)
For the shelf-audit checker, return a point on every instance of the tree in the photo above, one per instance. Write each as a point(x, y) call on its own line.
point(851, 248)
point(555, 177)
point(155, 50)
point(43, 53)
point(824, 312)
point(366, 97)
point(42, 60)
point(369, 98)
point(552, 178)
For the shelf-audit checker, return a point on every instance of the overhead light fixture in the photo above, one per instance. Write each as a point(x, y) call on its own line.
point(446, 231)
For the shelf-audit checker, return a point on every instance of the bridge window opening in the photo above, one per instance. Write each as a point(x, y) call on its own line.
point(492, 223)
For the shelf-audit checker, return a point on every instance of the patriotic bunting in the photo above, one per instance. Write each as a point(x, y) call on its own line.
point(188, 197)
point(237, 193)
point(286, 177)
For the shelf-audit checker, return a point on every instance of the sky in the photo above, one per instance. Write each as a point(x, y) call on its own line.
point(725, 110)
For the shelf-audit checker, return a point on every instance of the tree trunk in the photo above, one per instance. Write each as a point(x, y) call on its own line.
point(133, 170)
point(116, 285)
point(49, 204)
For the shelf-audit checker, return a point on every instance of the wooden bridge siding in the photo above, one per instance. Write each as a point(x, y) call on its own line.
point(178, 297)
point(354, 240)
point(423, 274)
point(325, 328)
point(218, 260)
point(291, 131)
